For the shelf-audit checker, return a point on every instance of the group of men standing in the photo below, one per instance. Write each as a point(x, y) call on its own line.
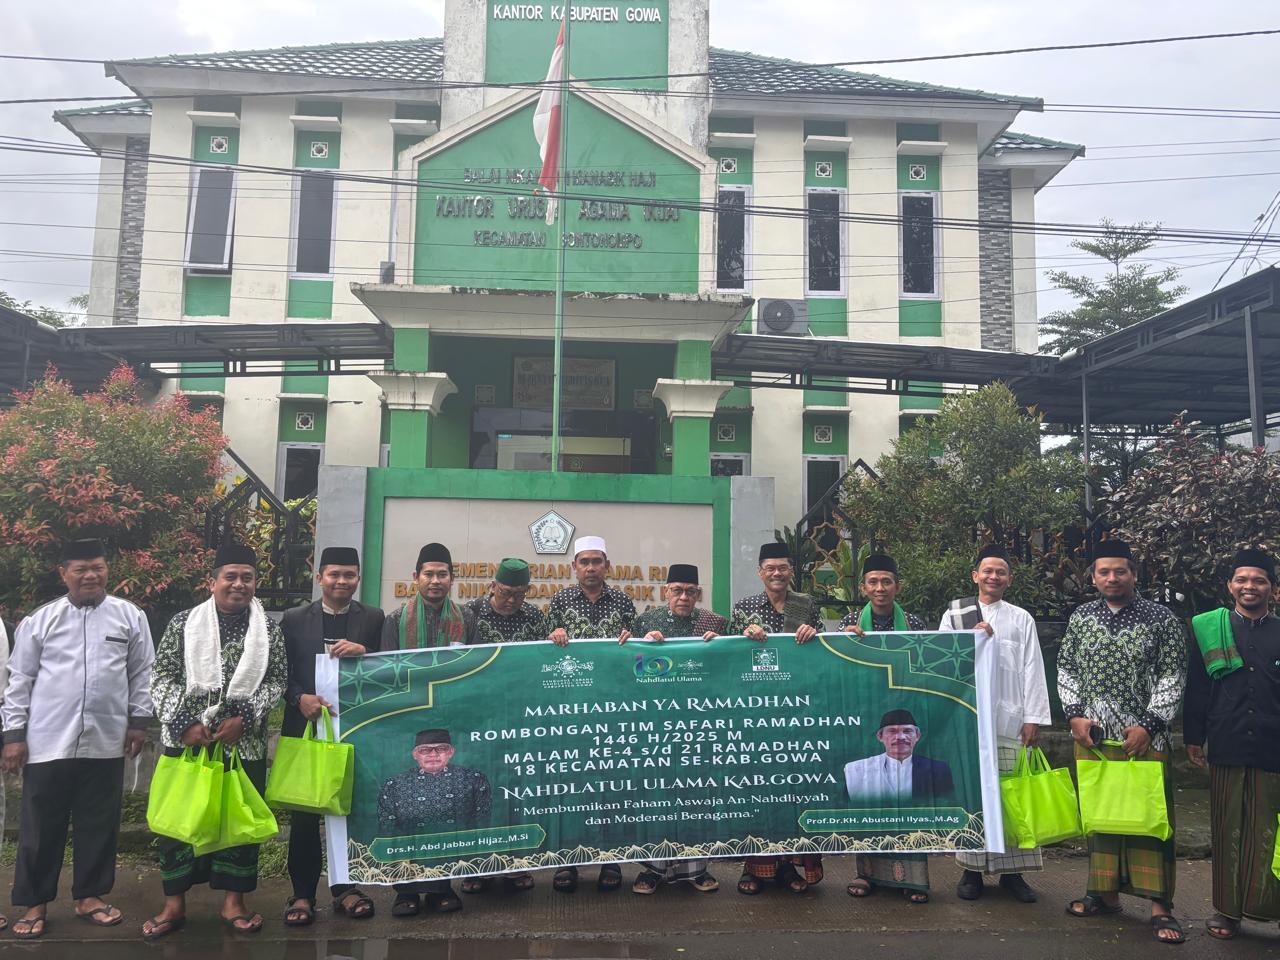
point(85, 683)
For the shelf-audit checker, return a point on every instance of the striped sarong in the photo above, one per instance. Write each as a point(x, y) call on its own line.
point(1243, 804)
point(1138, 866)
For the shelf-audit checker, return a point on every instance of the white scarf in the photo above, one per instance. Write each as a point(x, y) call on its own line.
point(202, 655)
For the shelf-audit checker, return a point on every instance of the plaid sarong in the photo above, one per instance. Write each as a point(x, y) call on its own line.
point(1016, 859)
point(1138, 866)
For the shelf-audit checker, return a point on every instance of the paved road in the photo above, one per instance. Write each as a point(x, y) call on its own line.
point(681, 924)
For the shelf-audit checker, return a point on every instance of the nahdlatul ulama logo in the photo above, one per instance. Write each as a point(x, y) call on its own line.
point(568, 671)
point(660, 668)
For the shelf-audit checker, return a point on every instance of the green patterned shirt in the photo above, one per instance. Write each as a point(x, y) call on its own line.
point(670, 626)
point(583, 620)
point(525, 624)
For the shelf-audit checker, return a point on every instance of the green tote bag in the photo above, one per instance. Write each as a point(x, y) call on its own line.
point(1275, 853)
point(313, 775)
point(1123, 797)
point(1039, 803)
point(245, 818)
point(185, 800)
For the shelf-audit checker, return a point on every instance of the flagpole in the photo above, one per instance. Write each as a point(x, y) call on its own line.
point(557, 350)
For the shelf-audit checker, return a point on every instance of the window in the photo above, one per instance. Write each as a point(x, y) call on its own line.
point(826, 243)
point(731, 239)
point(298, 469)
point(919, 244)
point(313, 224)
point(210, 218)
point(730, 464)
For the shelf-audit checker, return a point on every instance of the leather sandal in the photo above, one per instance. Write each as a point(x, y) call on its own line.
point(748, 884)
point(406, 905)
point(362, 908)
point(1167, 921)
point(1091, 906)
point(646, 882)
point(610, 878)
point(1221, 927)
point(565, 880)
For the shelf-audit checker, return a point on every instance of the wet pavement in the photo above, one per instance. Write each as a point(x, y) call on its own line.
point(676, 922)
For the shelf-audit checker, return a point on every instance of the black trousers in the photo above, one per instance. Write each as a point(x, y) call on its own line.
point(56, 793)
point(304, 857)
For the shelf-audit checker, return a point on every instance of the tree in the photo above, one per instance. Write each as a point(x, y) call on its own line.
point(74, 317)
point(1129, 293)
point(970, 475)
point(1189, 508)
point(109, 465)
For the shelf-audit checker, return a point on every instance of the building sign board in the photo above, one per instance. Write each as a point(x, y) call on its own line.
point(588, 384)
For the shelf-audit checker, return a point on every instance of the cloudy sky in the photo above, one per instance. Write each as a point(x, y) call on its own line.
point(1224, 183)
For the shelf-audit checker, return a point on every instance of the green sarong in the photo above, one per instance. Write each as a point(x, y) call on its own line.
point(1138, 866)
point(1243, 802)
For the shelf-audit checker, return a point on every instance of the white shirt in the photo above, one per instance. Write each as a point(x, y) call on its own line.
point(878, 778)
point(77, 677)
point(1021, 693)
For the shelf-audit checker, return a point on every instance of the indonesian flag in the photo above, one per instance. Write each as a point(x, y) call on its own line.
point(546, 125)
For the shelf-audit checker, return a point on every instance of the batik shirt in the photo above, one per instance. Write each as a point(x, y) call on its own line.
point(414, 802)
point(881, 624)
point(583, 620)
point(527, 623)
point(1123, 669)
point(177, 710)
point(759, 610)
point(669, 625)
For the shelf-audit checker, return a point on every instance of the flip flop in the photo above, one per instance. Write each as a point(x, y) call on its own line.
point(307, 914)
point(230, 922)
point(162, 928)
point(787, 876)
point(31, 933)
point(748, 884)
point(705, 883)
point(646, 882)
point(105, 911)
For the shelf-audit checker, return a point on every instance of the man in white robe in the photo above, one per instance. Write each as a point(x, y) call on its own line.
point(1021, 703)
point(76, 703)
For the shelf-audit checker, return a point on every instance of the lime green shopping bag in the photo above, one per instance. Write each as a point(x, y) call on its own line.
point(185, 799)
point(1275, 853)
point(1039, 803)
point(313, 775)
point(1123, 797)
point(245, 818)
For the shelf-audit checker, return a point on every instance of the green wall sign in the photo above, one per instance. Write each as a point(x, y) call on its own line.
point(626, 41)
point(631, 224)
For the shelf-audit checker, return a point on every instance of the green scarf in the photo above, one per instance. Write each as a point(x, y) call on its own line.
point(413, 624)
point(899, 618)
point(1217, 642)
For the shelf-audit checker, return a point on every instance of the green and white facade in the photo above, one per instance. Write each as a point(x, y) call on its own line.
point(394, 181)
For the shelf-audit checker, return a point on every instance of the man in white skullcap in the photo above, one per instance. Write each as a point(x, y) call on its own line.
point(591, 610)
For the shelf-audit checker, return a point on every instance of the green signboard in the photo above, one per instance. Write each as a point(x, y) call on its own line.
point(485, 759)
point(622, 44)
point(631, 220)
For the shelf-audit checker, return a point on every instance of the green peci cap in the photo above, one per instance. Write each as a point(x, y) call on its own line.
point(513, 572)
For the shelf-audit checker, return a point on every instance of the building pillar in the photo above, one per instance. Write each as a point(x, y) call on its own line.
point(690, 406)
point(413, 396)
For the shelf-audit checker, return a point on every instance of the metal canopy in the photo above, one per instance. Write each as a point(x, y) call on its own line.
point(85, 355)
point(1195, 357)
point(897, 368)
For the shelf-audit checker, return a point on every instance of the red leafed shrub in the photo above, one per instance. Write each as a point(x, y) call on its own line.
point(113, 465)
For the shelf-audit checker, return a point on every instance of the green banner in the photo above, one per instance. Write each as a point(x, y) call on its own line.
point(485, 759)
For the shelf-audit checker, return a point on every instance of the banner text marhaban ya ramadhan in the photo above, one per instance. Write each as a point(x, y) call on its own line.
point(599, 752)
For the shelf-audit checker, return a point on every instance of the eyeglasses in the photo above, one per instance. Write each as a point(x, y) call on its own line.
point(682, 591)
point(771, 570)
point(441, 748)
